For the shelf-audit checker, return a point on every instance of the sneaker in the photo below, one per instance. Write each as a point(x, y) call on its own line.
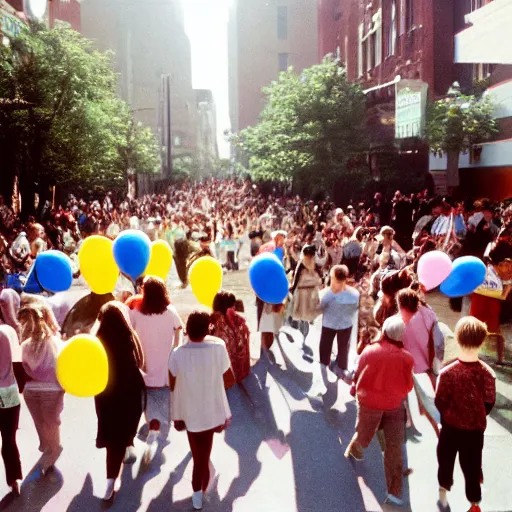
point(354, 453)
point(15, 488)
point(130, 456)
point(151, 443)
point(197, 500)
point(395, 500)
point(109, 492)
point(443, 508)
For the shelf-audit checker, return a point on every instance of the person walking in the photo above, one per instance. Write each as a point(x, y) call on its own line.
point(381, 384)
point(9, 409)
point(158, 327)
point(305, 289)
point(339, 306)
point(43, 394)
point(200, 371)
point(119, 407)
point(232, 328)
point(465, 395)
point(424, 340)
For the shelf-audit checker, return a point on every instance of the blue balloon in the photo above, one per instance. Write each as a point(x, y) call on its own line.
point(268, 278)
point(468, 273)
point(53, 272)
point(279, 252)
point(132, 250)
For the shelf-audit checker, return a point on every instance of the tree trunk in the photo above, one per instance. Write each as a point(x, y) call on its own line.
point(452, 170)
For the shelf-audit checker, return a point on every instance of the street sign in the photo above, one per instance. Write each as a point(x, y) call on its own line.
point(410, 105)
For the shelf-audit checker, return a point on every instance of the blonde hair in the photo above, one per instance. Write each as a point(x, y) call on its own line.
point(34, 327)
point(470, 332)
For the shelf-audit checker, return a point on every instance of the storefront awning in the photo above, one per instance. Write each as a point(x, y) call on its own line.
point(489, 38)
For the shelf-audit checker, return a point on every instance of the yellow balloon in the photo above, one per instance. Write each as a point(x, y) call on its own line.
point(160, 261)
point(97, 264)
point(205, 278)
point(82, 366)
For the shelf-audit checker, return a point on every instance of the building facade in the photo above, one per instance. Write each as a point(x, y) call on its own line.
point(403, 52)
point(153, 59)
point(265, 38)
point(207, 146)
point(64, 11)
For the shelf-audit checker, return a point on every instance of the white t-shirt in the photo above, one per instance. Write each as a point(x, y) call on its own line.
point(199, 398)
point(156, 333)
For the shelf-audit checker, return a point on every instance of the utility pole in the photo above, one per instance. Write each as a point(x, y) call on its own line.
point(169, 131)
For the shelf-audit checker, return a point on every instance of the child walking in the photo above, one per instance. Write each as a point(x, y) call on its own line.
point(465, 395)
point(338, 306)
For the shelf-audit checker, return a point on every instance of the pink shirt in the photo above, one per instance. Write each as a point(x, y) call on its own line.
point(156, 333)
point(416, 337)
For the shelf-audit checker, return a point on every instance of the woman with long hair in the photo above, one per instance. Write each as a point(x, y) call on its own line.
point(119, 408)
point(200, 371)
point(229, 326)
point(9, 409)
point(43, 394)
point(158, 326)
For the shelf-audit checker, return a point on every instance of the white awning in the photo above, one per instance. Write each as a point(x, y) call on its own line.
point(489, 39)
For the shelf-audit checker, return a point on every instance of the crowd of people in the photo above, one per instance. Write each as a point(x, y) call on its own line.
point(354, 267)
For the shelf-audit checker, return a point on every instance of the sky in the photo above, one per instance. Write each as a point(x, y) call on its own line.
point(206, 26)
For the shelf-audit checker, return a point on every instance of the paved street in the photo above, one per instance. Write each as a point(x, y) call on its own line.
point(283, 452)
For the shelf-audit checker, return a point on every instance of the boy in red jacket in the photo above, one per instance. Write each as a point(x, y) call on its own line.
point(382, 382)
point(465, 395)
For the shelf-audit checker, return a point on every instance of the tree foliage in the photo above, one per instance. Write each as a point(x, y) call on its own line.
point(311, 126)
point(455, 124)
point(74, 132)
point(459, 121)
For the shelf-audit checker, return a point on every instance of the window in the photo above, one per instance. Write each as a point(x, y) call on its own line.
point(283, 62)
point(401, 28)
point(481, 72)
point(476, 4)
point(371, 51)
point(377, 27)
point(409, 14)
point(282, 23)
point(392, 30)
point(360, 65)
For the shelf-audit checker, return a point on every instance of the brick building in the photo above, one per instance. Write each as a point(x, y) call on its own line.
point(403, 45)
point(266, 37)
point(67, 11)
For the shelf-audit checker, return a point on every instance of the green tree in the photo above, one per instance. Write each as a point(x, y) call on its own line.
point(311, 126)
point(455, 124)
point(75, 132)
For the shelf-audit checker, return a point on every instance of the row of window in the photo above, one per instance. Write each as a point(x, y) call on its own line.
point(400, 20)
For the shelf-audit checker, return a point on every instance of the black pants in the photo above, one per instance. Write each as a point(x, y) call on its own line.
point(9, 419)
point(326, 341)
point(115, 457)
point(231, 264)
point(469, 445)
point(201, 444)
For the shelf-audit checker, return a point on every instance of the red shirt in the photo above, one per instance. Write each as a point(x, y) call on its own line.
point(384, 376)
point(466, 393)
